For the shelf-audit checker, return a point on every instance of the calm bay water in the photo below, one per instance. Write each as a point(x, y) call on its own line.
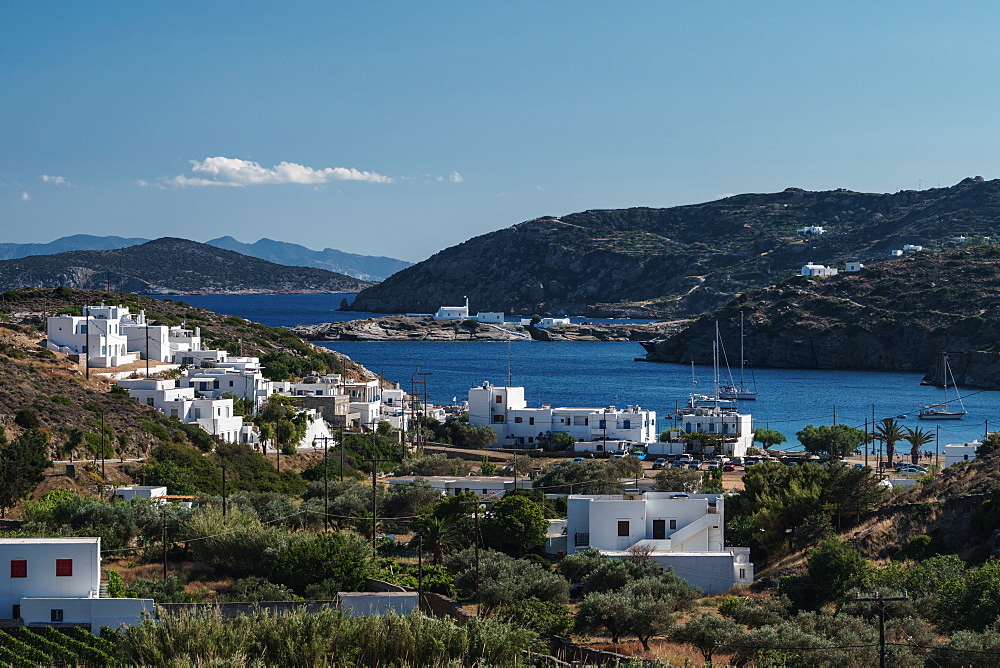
point(600, 374)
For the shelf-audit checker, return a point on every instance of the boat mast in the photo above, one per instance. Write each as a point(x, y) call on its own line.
point(742, 374)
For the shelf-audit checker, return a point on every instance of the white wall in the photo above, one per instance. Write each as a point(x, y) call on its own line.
point(41, 580)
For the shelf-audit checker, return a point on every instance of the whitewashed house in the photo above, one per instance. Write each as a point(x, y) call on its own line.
point(129, 492)
point(956, 454)
point(812, 229)
point(811, 269)
point(735, 430)
point(477, 484)
point(851, 267)
point(214, 382)
point(215, 416)
point(505, 410)
point(912, 248)
point(57, 581)
point(97, 334)
point(683, 531)
point(490, 317)
point(453, 312)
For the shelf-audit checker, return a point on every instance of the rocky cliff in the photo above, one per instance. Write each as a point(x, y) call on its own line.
point(901, 315)
point(683, 260)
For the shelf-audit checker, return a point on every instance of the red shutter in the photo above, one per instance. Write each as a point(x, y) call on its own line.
point(19, 568)
point(64, 567)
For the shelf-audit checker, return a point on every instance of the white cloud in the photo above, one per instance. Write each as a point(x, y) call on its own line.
point(456, 177)
point(220, 171)
point(56, 180)
point(25, 197)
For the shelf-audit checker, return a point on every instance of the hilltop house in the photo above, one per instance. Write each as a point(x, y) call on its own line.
point(812, 229)
point(811, 269)
point(57, 582)
point(96, 334)
point(851, 267)
point(912, 248)
point(505, 410)
point(683, 531)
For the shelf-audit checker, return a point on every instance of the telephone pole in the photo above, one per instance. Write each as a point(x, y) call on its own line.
point(475, 542)
point(375, 462)
point(881, 601)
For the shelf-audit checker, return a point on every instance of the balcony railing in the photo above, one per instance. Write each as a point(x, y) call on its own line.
point(581, 539)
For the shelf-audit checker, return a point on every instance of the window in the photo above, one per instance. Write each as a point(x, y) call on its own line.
point(64, 567)
point(499, 399)
point(518, 420)
point(498, 418)
point(17, 612)
point(622, 527)
point(531, 420)
point(19, 568)
point(743, 573)
point(57, 615)
point(149, 401)
point(627, 424)
point(673, 525)
point(230, 383)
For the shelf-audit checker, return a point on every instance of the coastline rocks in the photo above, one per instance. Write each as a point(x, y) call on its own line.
point(411, 328)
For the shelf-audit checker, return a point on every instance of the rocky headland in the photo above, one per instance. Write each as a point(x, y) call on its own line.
point(900, 315)
point(422, 328)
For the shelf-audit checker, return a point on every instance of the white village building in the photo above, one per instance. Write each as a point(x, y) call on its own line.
point(453, 312)
point(96, 334)
point(682, 531)
point(735, 430)
point(810, 269)
point(505, 410)
point(912, 248)
point(956, 454)
point(851, 267)
point(812, 229)
point(57, 581)
point(215, 416)
point(482, 485)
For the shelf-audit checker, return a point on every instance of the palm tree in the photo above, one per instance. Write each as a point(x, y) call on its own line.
point(439, 534)
point(917, 438)
point(890, 432)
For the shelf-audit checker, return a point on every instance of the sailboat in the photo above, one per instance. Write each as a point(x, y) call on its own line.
point(941, 411)
point(741, 391)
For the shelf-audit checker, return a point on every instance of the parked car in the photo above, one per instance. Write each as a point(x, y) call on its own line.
point(728, 467)
point(659, 463)
point(713, 466)
point(694, 466)
point(577, 460)
point(736, 461)
point(680, 463)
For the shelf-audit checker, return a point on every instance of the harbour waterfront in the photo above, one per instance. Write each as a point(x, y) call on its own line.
point(599, 374)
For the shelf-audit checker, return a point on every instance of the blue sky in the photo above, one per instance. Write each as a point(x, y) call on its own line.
point(401, 128)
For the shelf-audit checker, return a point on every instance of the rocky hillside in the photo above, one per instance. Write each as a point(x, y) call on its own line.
point(69, 405)
point(899, 315)
point(169, 266)
point(682, 260)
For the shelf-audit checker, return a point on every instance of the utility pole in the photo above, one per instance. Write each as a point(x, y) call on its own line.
point(937, 445)
point(375, 462)
point(881, 601)
point(341, 454)
point(146, 320)
point(326, 479)
point(420, 571)
point(104, 473)
point(865, 446)
point(475, 542)
point(163, 521)
point(224, 507)
point(86, 338)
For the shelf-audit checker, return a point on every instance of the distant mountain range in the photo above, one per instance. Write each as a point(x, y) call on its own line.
point(364, 267)
point(168, 266)
point(684, 260)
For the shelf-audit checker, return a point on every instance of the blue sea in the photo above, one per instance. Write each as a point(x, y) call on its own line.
point(599, 374)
